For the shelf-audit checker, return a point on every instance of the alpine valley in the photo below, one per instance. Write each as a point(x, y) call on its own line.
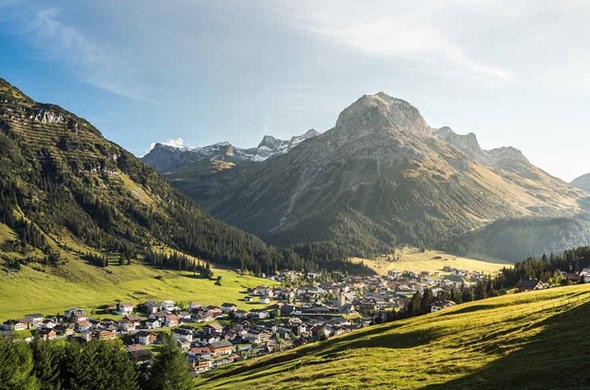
point(67, 192)
point(379, 178)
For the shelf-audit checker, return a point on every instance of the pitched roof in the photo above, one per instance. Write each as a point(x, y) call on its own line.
point(527, 283)
point(221, 344)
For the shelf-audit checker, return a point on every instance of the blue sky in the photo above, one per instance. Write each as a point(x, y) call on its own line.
point(514, 72)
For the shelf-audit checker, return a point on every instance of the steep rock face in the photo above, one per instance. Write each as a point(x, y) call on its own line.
point(383, 173)
point(380, 113)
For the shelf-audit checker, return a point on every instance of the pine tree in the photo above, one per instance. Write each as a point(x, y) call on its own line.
point(47, 358)
point(16, 366)
point(170, 370)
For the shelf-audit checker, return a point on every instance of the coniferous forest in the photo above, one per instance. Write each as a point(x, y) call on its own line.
point(94, 365)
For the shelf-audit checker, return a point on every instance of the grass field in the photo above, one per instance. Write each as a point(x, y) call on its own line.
point(415, 260)
point(535, 340)
point(79, 284)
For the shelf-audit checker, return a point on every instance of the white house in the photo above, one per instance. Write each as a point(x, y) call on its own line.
point(124, 308)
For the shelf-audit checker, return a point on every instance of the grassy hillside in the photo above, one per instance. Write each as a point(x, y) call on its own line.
point(63, 185)
point(48, 290)
point(412, 259)
point(518, 341)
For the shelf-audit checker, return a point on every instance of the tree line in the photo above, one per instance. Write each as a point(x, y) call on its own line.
point(86, 366)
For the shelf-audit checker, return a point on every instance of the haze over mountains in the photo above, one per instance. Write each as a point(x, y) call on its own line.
point(383, 176)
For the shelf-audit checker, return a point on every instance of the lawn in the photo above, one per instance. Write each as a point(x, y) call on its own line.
point(79, 284)
point(415, 260)
point(529, 340)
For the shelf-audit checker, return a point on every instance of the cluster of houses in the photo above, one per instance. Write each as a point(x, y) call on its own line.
point(291, 314)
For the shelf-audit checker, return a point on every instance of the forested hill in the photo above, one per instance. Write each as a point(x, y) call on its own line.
point(64, 187)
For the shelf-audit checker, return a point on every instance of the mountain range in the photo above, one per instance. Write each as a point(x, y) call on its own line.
point(382, 176)
point(68, 191)
point(167, 158)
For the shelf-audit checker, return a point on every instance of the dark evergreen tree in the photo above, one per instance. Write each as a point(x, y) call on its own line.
point(170, 369)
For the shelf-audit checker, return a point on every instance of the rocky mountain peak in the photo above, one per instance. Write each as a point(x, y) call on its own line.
point(507, 154)
point(467, 143)
point(269, 141)
point(381, 113)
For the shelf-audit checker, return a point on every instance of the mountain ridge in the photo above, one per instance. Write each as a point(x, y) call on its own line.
point(383, 174)
point(67, 192)
point(167, 158)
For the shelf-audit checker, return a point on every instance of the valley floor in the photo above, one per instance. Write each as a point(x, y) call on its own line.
point(76, 284)
point(415, 260)
point(532, 340)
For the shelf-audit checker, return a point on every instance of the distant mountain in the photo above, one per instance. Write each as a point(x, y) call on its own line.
point(167, 159)
point(66, 189)
point(582, 182)
point(381, 176)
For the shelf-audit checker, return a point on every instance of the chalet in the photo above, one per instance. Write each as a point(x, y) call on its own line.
point(79, 316)
point(124, 308)
point(180, 334)
point(184, 316)
point(440, 305)
point(159, 315)
point(153, 324)
point(168, 305)
point(585, 274)
point(145, 338)
point(75, 314)
point(529, 285)
point(63, 330)
point(571, 277)
point(150, 307)
point(258, 314)
point(106, 335)
point(127, 325)
point(202, 365)
point(108, 324)
point(16, 325)
point(240, 314)
point(213, 328)
point(199, 352)
point(141, 357)
point(47, 334)
point(264, 300)
point(214, 311)
point(171, 320)
point(193, 306)
point(83, 325)
point(222, 347)
point(35, 320)
point(228, 308)
point(258, 337)
point(48, 324)
point(86, 335)
point(204, 317)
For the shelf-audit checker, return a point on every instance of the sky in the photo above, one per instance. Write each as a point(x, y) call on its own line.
point(197, 72)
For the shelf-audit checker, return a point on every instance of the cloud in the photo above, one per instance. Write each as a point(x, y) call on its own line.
point(92, 63)
point(388, 29)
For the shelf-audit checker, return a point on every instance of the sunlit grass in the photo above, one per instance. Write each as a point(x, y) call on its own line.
point(502, 342)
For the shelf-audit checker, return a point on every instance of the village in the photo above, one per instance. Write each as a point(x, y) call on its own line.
point(299, 310)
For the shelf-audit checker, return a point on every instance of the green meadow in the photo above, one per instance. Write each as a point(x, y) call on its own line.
point(532, 340)
point(50, 290)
